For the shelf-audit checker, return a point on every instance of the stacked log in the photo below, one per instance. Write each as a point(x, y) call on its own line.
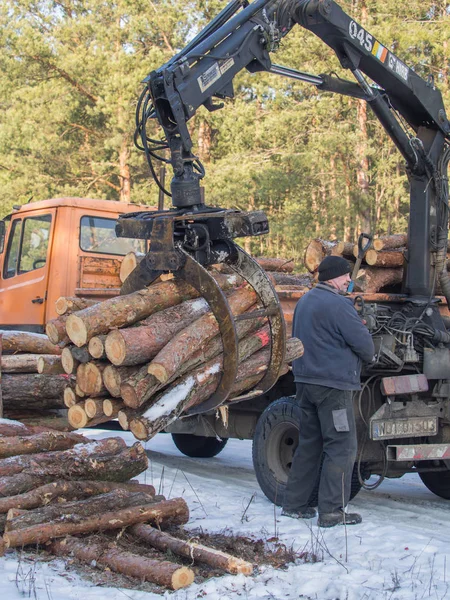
point(54, 486)
point(381, 268)
point(132, 351)
point(33, 379)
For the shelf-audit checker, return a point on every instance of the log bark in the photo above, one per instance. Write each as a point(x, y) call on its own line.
point(191, 338)
point(40, 420)
point(23, 341)
point(281, 265)
point(61, 458)
point(134, 346)
point(96, 347)
point(302, 280)
point(372, 280)
point(50, 365)
point(93, 407)
point(141, 386)
point(69, 304)
point(162, 573)
point(386, 259)
point(21, 363)
point(115, 499)
point(56, 331)
point(120, 467)
point(63, 491)
point(390, 242)
point(21, 389)
point(111, 407)
point(13, 428)
point(115, 377)
point(317, 250)
point(41, 442)
point(191, 550)
point(163, 513)
point(196, 387)
point(125, 310)
point(90, 378)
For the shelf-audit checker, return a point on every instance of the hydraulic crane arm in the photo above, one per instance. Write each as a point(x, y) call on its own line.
point(234, 40)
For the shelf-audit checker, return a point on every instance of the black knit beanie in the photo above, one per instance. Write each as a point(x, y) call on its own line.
point(333, 266)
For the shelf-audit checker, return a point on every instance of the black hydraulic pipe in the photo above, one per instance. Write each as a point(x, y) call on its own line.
point(228, 28)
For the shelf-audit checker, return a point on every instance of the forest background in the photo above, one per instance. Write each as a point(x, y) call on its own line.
point(318, 164)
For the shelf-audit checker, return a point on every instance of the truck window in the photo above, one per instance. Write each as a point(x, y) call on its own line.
point(35, 239)
point(99, 235)
point(12, 254)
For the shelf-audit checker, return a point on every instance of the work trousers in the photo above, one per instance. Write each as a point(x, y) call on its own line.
point(327, 426)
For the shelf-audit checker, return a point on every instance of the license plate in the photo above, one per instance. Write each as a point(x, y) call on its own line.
point(385, 429)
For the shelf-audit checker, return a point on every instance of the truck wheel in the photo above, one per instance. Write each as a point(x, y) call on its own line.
point(274, 445)
point(437, 482)
point(198, 446)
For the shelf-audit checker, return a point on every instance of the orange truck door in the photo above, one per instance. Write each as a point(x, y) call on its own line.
point(26, 265)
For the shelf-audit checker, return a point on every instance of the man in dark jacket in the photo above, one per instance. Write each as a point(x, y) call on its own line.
point(336, 342)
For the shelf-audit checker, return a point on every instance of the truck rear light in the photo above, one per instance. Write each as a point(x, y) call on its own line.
point(404, 384)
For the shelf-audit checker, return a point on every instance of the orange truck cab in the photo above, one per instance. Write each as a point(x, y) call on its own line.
point(59, 247)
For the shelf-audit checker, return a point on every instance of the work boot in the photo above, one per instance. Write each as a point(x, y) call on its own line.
point(338, 517)
point(307, 513)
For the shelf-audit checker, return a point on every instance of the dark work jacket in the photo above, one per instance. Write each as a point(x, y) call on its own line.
point(335, 340)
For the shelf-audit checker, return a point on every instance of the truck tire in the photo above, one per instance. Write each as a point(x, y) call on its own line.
point(274, 445)
point(198, 446)
point(437, 482)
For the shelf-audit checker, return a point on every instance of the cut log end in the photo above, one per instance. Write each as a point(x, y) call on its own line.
point(76, 330)
point(158, 371)
point(138, 429)
point(52, 333)
point(77, 416)
point(182, 577)
point(115, 347)
point(129, 395)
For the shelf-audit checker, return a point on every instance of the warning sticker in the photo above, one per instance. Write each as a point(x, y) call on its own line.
point(213, 73)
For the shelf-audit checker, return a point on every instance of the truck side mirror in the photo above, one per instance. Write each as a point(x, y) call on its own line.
point(2, 235)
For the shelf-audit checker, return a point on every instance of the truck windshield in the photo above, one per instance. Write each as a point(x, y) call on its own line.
point(98, 234)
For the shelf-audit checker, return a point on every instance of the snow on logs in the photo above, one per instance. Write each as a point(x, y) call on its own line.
point(51, 495)
point(130, 351)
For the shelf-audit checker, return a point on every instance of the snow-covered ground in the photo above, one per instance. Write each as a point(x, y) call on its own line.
point(400, 551)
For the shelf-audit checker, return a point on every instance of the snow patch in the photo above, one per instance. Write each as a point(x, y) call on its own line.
point(204, 375)
point(199, 304)
point(167, 403)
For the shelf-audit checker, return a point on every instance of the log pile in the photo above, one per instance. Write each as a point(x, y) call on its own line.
point(381, 268)
point(60, 490)
point(158, 349)
point(33, 380)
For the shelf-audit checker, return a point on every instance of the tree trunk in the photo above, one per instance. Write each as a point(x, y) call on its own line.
point(121, 467)
point(317, 250)
point(163, 513)
point(61, 458)
point(56, 331)
point(21, 363)
point(386, 259)
point(162, 573)
point(115, 499)
point(42, 420)
point(90, 378)
point(372, 279)
point(390, 242)
point(191, 550)
point(67, 490)
point(115, 377)
point(125, 310)
point(22, 341)
point(96, 347)
point(276, 264)
point(300, 280)
point(192, 337)
point(94, 407)
point(50, 365)
point(141, 386)
point(22, 388)
point(134, 346)
point(70, 304)
point(41, 442)
point(111, 407)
